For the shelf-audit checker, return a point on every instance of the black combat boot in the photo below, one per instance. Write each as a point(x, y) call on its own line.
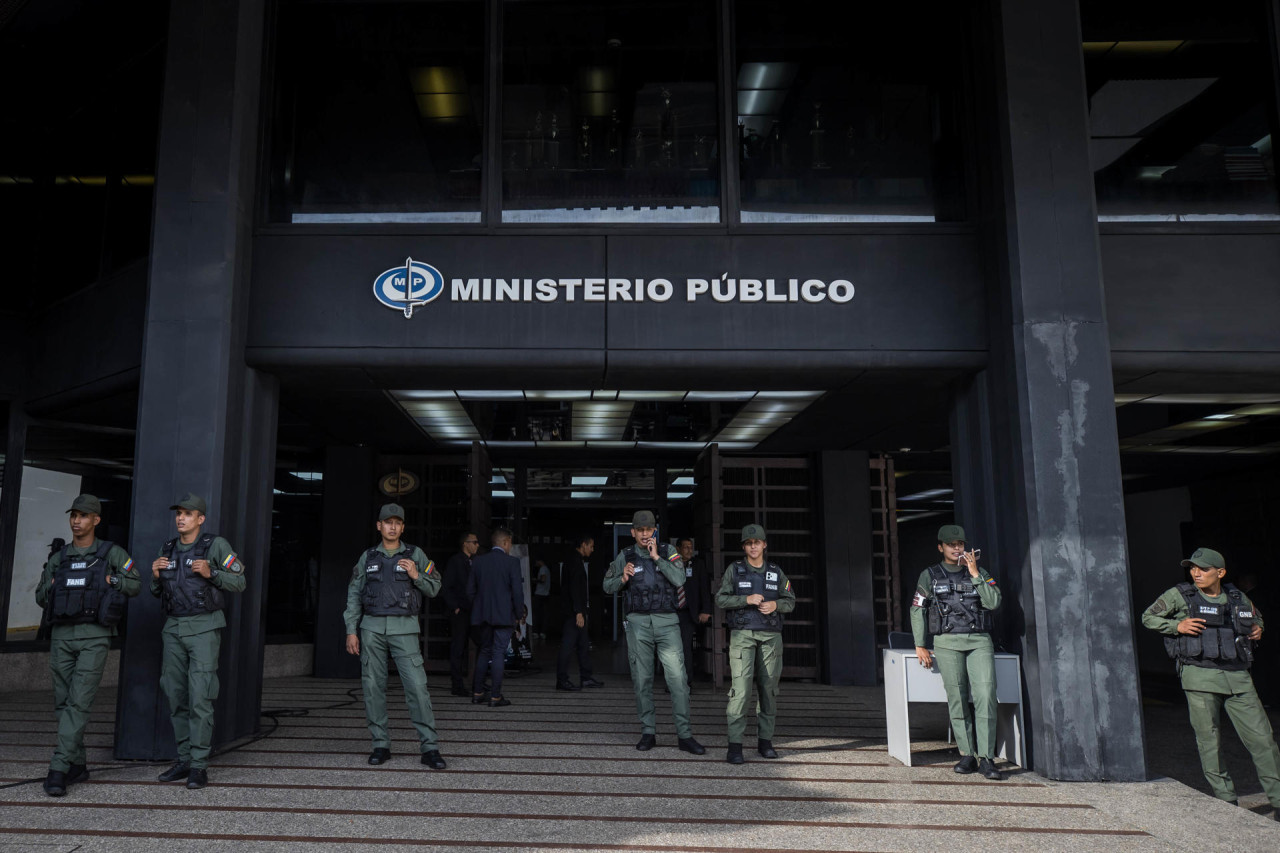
point(734, 755)
point(197, 778)
point(688, 744)
point(380, 755)
point(179, 771)
point(646, 743)
point(765, 748)
point(433, 760)
point(77, 773)
point(966, 764)
point(55, 784)
point(987, 768)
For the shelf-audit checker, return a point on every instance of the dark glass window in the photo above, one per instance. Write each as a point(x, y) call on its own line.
point(609, 112)
point(1180, 110)
point(847, 112)
point(378, 114)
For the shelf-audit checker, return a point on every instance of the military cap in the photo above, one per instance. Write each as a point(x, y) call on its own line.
point(1205, 558)
point(193, 502)
point(754, 531)
point(86, 503)
point(391, 511)
point(951, 533)
point(643, 518)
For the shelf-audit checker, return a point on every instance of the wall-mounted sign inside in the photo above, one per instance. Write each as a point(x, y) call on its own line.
point(414, 284)
point(398, 483)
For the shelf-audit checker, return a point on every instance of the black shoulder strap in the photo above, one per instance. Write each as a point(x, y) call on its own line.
point(372, 554)
point(937, 572)
point(203, 544)
point(104, 548)
point(631, 553)
point(772, 565)
point(739, 567)
point(167, 550)
point(1188, 591)
point(62, 557)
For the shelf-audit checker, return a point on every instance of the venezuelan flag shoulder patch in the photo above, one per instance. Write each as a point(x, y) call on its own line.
point(226, 564)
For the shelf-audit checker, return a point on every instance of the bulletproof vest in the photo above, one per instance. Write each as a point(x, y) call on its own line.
point(648, 591)
point(954, 606)
point(81, 594)
point(387, 588)
point(747, 582)
point(1224, 643)
point(183, 591)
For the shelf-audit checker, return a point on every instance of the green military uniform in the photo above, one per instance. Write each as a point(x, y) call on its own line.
point(189, 667)
point(755, 656)
point(966, 661)
point(397, 635)
point(647, 632)
point(78, 654)
point(1209, 691)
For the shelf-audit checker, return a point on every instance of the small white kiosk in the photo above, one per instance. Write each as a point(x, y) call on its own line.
point(906, 681)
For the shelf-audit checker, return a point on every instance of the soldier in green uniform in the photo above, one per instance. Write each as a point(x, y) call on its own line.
point(955, 599)
point(84, 589)
point(1210, 628)
point(648, 574)
point(754, 594)
point(387, 593)
point(192, 576)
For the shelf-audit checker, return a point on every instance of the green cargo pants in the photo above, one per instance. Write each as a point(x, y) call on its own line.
point(1250, 721)
point(755, 665)
point(965, 672)
point(76, 667)
point(189, 679)
point(373, 678)
point(660, 632)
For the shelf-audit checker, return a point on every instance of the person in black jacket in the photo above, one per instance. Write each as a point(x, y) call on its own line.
point(573, 591)
point(695, 605)
point(496, 592)
point(454, 593)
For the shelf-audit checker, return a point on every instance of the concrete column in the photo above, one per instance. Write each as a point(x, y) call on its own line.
point(1037, 458)
point(15, 449)
point(848, 602)
point(206, 422)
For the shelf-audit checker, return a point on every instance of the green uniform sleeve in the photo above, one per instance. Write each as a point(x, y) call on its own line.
point(230, 576)
point(128, 580)
point(725, 598)
point(1166, 612)
point(428, 582)
point(671, 566)
point(351, 615)
point(46, 582)
point(786, 595)
point(613, 577)
point(919, 619)
point(1257, 614)
point(988, 592)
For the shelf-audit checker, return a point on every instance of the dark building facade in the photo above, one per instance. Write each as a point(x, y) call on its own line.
point(852, 270)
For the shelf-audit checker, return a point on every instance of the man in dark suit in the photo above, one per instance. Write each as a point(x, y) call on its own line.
point(694, 604)
point(458, 606)
point(573, 591)
point(496, 592)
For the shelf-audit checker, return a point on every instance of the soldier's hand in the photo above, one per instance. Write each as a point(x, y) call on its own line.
point(457, 610)
point(353, 644)
point(410, 567)
point(970, 561)
point(580, 620)
point(754, 599)
point(926, 657)
point(158, 565)
point(1256, 633)
point(704, 618)
point(201, 567)
point(1192, 626)
point(767, 607)
point(652, 545)
point(627, 571)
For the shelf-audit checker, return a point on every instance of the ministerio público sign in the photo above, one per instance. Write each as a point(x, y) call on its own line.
point(414, 284)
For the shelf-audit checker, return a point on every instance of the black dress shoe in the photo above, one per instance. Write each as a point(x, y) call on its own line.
point(987, 768)
point(380, 755)
point(480, 698)
point(433, 760)
point(646, 743)
point(735, 756)
point(567, 685)
point(197, 778)
point(460, 691)
point(179, 770)
point(55, 784)
point(499, 702)
point(688, 744)
point(592, 682)
point(765, 748)
point(77, 773)
point(966, 764)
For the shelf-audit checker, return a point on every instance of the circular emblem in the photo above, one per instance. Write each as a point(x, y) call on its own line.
point(409, 285)
point(398, 483)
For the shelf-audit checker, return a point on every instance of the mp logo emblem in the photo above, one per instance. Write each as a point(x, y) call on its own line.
point(409, 286)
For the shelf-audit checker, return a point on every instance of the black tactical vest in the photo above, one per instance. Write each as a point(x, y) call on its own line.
point(387, 588)
point(183, 591)
point(1224, 643)
point(81, 594)
point(648, 591)
point(747, 582)
point(954, 607)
